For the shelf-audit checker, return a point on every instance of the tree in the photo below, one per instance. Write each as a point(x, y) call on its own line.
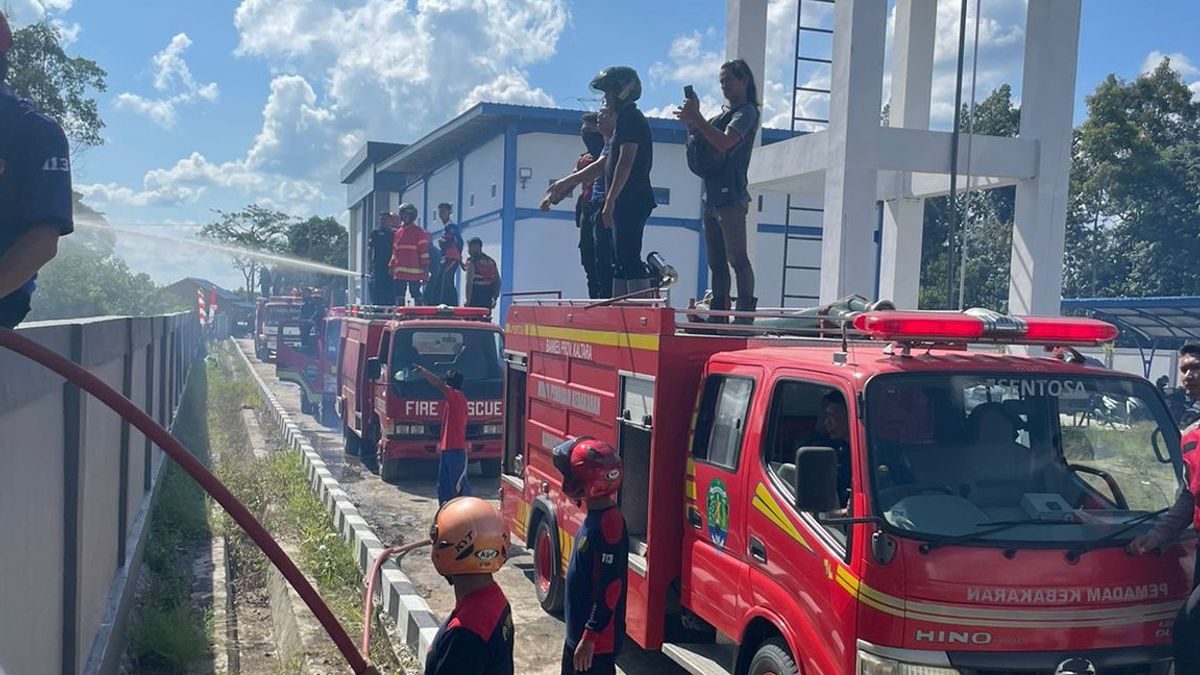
point(254, 229)
point(59, 85)
point(84, 282)
point(321, 240)
point(1134, 217)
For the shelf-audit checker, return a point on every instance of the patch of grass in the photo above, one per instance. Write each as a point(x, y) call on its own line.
point(171, 635)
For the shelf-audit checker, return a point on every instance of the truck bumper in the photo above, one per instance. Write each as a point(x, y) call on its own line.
point(427, 449)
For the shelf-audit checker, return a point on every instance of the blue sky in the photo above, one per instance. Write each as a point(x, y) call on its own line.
point(216, 104)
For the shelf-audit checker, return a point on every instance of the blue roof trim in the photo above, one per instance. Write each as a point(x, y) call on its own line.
point(1180, 301)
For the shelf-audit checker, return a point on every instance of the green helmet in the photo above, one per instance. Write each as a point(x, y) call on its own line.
point(621, 81)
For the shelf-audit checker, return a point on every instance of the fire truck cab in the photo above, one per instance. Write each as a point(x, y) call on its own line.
point(390, 414)
point(270, 313)
point(867, 492)
point(307, 356)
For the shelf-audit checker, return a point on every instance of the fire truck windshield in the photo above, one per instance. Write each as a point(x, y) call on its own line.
point(476, 353)
point(1022, 458)
point(278, 313)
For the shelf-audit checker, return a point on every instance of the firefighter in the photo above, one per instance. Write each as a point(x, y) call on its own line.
point(483, 276)
point(470, 544)
point(410, 256)
point(35, 193)
point(379, 247)
point(1185, 511)
point(597, 574)
point(452, 448)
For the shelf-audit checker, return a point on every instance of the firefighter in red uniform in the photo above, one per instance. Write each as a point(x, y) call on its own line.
point(597, 574)
point(410, 256)
point(470, 544)
point(1185, 511)
point(483, 276)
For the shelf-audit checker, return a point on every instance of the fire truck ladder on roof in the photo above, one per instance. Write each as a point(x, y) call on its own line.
point(813, 60)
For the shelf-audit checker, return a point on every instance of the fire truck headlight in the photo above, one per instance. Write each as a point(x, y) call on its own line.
point(873, 664)
point(492, 429)
point(408, 429)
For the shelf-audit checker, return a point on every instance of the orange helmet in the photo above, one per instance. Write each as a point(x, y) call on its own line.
point(469, 537)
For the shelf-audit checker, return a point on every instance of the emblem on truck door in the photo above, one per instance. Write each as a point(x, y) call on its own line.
point(718, 512)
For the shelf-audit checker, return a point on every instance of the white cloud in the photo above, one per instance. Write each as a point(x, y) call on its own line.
point(23, 12)
point(174, 78)
point(1181, 64)
point(111, 193)
point(394, 69)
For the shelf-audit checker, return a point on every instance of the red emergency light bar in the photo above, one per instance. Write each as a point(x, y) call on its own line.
point(984, 327)
point(420, 312)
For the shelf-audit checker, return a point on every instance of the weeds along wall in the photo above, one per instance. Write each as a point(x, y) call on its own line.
point(77, 487)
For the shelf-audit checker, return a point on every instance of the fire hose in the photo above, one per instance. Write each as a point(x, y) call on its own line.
point(369, 598)
point(125, 408)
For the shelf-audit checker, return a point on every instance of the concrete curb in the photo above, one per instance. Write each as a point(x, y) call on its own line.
point(416, 624)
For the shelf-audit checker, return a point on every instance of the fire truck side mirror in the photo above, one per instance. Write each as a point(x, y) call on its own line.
point(816, 480)
point(374, 369)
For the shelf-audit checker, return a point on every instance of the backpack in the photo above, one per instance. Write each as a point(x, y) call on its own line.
point(702, 159)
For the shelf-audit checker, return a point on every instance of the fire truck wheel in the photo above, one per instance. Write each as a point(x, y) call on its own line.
point(368, 453)
point(305, 406)
point(773, 658)
point(547, 579)
point(490, 467)
point(350, 442)
point(389, 470)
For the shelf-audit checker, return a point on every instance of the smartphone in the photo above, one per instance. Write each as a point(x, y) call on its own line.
point(689, 92)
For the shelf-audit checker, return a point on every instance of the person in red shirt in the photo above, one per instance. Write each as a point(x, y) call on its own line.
point(470, 544)
point(410, 256)
point(452, 449)
point(1185, 512)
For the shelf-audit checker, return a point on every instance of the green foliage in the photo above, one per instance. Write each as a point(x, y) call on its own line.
point(1134, 216)
point(988, 233)
point(254, 228)
point(321, 240)
point(82, 282)
point(59, 85)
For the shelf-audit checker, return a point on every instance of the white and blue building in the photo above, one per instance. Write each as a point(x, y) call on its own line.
point(494, 161)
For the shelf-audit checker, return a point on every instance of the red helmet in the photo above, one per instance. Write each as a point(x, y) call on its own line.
point(590, 468)
point(6, 37)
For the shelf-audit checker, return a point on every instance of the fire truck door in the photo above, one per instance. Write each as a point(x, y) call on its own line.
point(715, 544)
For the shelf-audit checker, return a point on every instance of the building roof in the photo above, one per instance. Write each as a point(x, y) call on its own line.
point(372, 152)
point(484, 121)
point(186, 288)
point(1158, 322)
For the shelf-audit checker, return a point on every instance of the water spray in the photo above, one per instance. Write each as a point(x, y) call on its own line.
point(228, 249)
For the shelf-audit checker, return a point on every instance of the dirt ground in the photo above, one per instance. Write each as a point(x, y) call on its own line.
point(399, 513)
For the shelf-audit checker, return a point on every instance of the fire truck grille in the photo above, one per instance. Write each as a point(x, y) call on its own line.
point(1145, 669)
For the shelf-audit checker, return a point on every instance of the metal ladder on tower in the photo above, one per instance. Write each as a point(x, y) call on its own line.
point(813, 60)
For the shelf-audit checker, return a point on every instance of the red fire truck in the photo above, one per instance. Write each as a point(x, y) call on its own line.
point(391, 414)
point(891, 499)
point(307, 356)
point(269, 314)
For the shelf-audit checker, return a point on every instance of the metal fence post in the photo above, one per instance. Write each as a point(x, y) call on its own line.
point(74, 424)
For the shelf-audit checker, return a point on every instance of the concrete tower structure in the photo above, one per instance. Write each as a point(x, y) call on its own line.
point(856, 162)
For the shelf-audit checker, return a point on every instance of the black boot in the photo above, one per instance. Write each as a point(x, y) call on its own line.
point(718, 305)
point(745, 305)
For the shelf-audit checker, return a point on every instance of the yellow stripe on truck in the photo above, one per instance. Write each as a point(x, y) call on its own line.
point(597, 337)
point(766, 504)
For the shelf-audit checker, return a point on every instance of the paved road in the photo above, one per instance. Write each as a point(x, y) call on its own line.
point(403, 512)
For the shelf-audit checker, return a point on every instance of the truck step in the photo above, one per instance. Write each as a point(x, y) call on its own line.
point(702, 658)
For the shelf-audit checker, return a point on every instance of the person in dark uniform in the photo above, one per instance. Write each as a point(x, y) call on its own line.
point(598, 571)
point(834, 432)
point(379, 247)
point(470, 544)
point(35, 193)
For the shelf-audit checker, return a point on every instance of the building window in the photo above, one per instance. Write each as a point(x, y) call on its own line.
point(493, 190)
point(472, 202)
point(760, 203)
point(662, 196)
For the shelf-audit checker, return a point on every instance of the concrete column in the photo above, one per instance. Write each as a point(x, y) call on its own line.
point(903, 218)
point(746, 38)
point(847, 240)
point(1047, 106)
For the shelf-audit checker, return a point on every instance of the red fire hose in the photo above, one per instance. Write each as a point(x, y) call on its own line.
point(9, 339)
point(369, 598)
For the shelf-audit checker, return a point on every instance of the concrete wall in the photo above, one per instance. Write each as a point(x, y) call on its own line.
point(443, 187)
point(483, 168)
point(77, 487)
